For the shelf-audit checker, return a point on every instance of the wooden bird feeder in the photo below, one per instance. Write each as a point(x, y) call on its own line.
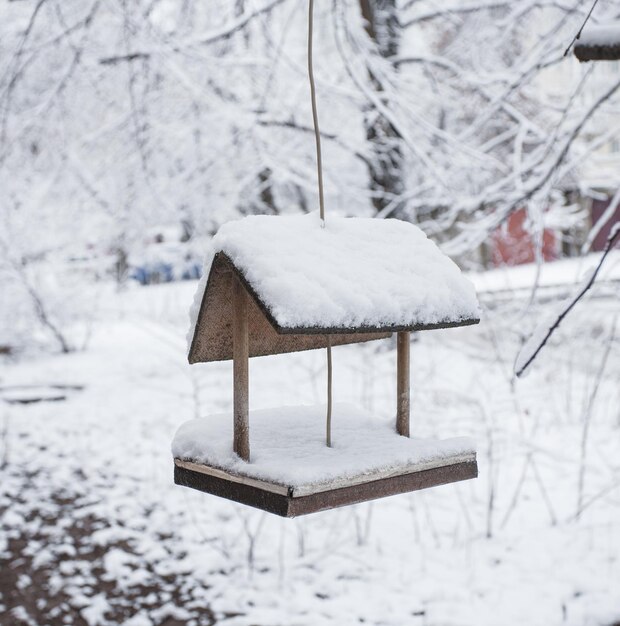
point(275, 285)
point(599, 43)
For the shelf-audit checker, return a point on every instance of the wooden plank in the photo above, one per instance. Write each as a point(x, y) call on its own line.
point(402, 383)
point(233, 478)
point(237, 492)
point(597, 52)
point(337, 483)
point(287, 506)
point(382, 488)
point(241, 440)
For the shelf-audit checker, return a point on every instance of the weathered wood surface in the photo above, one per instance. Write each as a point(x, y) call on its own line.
point(296, 491)
point(241, 409)
point(233, 478)
point(403, 401)
point(212, 340)
point(593, 52)
point(286, 505)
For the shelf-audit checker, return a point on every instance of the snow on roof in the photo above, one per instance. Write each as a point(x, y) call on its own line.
point(353, 273)
point(599, 42)
point(288, 446)
point(601, 35)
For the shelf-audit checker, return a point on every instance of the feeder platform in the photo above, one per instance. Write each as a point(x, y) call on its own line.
point(292, 472)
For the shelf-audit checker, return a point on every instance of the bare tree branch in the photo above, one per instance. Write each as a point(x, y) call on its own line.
point(578, 35)
point(614, 237)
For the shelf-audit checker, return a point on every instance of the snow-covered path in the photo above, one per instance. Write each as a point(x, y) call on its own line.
point(92, 530)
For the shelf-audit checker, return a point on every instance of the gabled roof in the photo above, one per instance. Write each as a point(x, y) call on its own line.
point(599, 43)
point(356, 279)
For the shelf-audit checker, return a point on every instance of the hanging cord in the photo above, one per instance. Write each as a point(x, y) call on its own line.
point(315, 115)
point(319, 168)
point(328, 429)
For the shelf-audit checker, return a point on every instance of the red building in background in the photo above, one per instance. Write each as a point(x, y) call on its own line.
point(512, 244)
point(598, 210)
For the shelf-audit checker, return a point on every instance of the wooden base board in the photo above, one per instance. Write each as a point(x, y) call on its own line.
point(279, 502)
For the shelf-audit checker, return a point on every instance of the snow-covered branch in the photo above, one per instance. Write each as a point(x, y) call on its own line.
point(543, 333)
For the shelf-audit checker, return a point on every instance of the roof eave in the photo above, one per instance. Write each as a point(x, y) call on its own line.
point(387, 328)
point(193, 356)
point(597, 52)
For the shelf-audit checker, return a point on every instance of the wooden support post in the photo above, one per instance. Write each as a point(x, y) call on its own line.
point(402, 383)
point(241, 437)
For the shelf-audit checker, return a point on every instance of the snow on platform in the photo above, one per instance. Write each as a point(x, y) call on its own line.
point(288, 447)
point(352, 273)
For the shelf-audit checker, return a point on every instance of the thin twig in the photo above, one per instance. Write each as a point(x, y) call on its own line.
point(238, 24)
point(4, 437)
point(614, 236)
point(578, 35)
point(40, 309)
point(586, 422)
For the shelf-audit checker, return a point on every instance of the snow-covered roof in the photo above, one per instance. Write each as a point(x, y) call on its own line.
point(599, 43)
point(355, 275)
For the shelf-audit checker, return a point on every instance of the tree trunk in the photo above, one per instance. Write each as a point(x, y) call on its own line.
point(386, 165)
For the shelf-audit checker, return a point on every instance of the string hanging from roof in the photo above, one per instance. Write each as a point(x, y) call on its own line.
point(319, 167)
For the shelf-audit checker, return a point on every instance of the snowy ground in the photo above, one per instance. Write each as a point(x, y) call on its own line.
point(92, 530)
